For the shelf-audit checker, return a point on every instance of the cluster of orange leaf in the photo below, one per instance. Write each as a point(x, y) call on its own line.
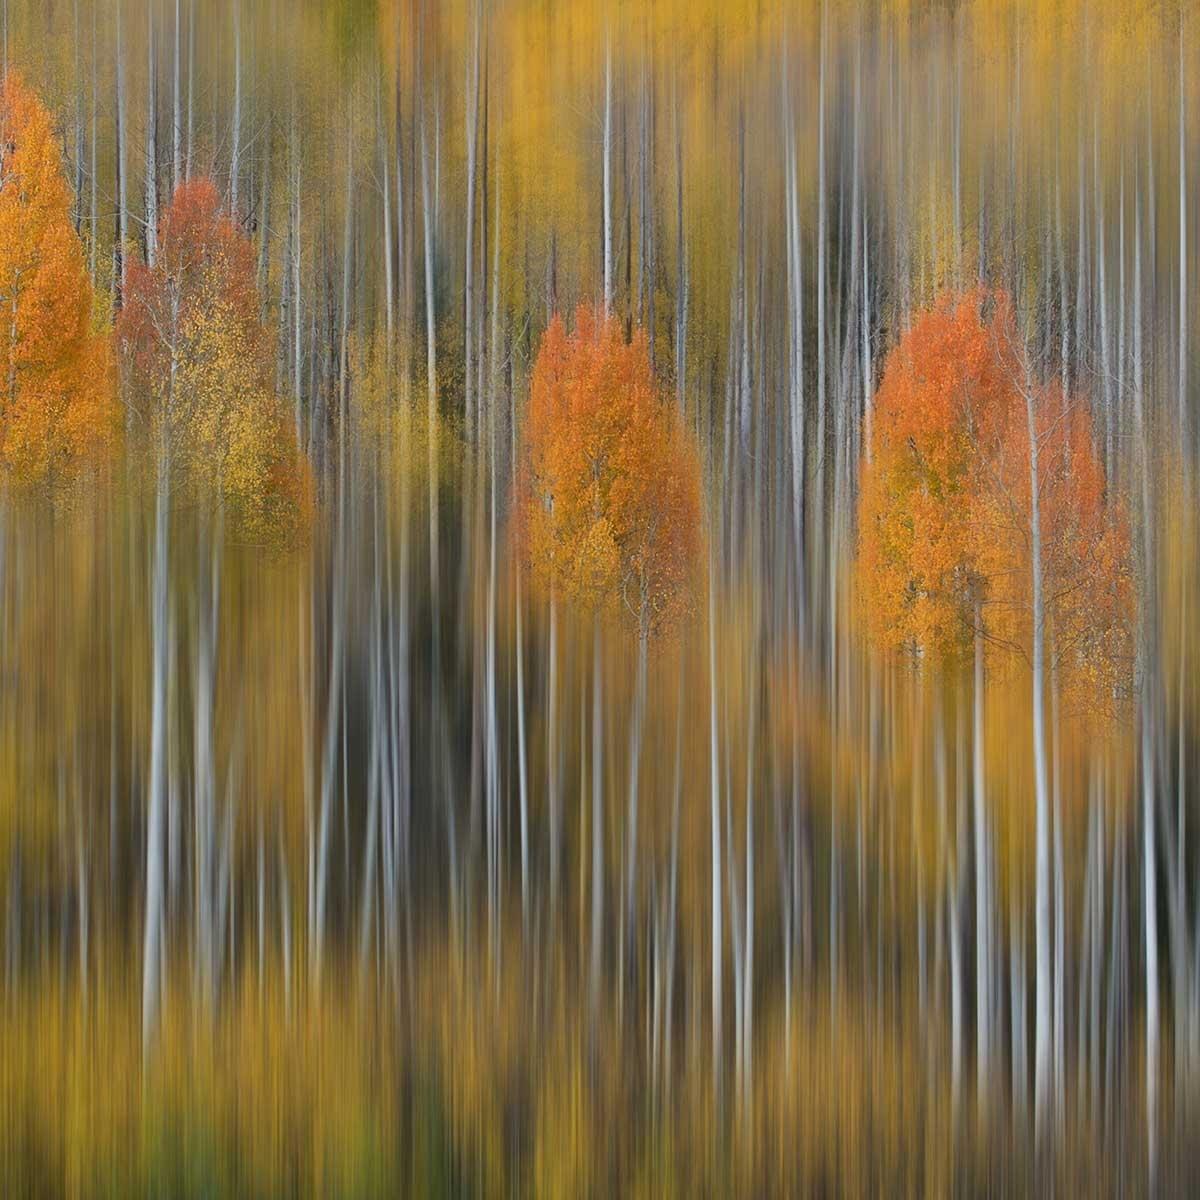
point(57, 394)
point(610, 508)
point(945, 505)
point(199, 359)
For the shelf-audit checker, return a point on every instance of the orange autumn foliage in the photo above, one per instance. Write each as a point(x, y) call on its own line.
point(199, 359)
point(202, 255)
point(928, 544)
point(1086, 557)
point(944, 510)
point(57, 388)
point(610, 501)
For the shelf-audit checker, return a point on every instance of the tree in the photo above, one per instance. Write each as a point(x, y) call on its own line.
point(1077, 549)
point(197, 363)
point(610, 505)
point(927, 552)
point(983, 512)
point(57, 387)
point(611, 490)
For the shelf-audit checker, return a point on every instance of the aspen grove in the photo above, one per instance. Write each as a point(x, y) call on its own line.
point(599, 598)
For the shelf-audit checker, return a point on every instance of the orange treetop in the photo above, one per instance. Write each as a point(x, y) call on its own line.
point(57, 385)
point(611, 492)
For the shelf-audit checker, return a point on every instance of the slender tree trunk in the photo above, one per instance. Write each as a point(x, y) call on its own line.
point(1150, 936)
point(389, 288)
point(821, 285)
point(176, 108)
point(94, 160)
point(367, 903)
point(1020, 1068)
point(608, 246)
point(1183, 242)
point(1043, 1032)
point(597, 815)
point(235, 133)
point(522, 761)
point(472, 122)
point(205, 786)
point(336, 695)
point(715, 815)
point(637, 722)
point(552, 763)
point(983, 891)
point(1060, 922)
point(681, 286)
point(748, 936)
point(187, 162)
point(152, 953)
point(430, 364)
point(122, 223)
point(295, 266)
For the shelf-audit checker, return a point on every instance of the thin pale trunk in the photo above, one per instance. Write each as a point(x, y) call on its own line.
point(1183, 242)
point(1102, 290)
point(297, 250)
point(954, 892)
point(983, 891)
point(669, 1004)
point(285, 923)
point(1083, 1029)
point(367, 903)
point(94, 161)
point(552, 763)
point(637, 723)
point(1060, 915)
point(191, 94)
point(1150, 937)
point(522, 760)
point(1020, 1068)
point(1149, 680)
point(389, 287)
point(821, 284)
point(176, 108)
point(795, 277)
point(681, 287)
point(336, 695)
point(235, 157)
point(430, 366)
point(748, 936)
point(155, 828)
point(122, 171)
point(204, 800)
point(715, 821)
point(472, 123)
point(1043, 1030)
point(597, 815)
point(608, 246)
point(77, 147)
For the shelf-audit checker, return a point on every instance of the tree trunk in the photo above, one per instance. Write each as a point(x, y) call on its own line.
point(715, 821)
point(122, 223)
point(608, 246)
point(156, 818)
point(176, 108)
point(983, 892)
point(637, 722)
point(235, 157)
point(1043, 1033)
point(597, 816)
